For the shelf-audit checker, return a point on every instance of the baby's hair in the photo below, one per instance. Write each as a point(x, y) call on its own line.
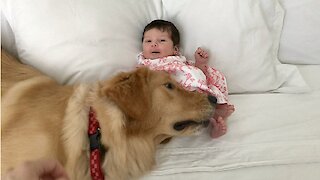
point(167, 26)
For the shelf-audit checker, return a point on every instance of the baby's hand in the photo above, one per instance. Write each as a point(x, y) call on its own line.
point(201, 57)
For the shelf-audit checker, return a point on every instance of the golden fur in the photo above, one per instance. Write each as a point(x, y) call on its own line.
point(136, 110)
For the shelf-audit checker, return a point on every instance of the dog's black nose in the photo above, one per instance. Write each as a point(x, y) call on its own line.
point(212, 100)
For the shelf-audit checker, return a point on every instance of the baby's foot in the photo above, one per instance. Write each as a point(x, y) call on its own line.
point(219, 127)
point(201, 57)
point(223, 110)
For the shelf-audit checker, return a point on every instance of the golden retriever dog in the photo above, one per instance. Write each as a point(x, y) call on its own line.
point(136, 111)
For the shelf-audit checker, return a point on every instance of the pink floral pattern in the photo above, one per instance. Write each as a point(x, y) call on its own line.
point(189, 76)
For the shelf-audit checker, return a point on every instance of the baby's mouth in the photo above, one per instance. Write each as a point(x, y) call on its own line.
point(155, 52)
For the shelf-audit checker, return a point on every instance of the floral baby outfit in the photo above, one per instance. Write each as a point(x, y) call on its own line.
point(189, 76)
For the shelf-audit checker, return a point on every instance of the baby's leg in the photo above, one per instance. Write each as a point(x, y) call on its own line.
point(219, 127)
point(223, 110)
point(218, 122)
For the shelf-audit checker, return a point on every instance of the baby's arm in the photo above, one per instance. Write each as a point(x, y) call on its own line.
point(201, 57)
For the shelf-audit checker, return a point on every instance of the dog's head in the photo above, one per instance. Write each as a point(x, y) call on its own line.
point(155, 105)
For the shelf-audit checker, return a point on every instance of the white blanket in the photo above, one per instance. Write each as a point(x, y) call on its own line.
point(267, 132)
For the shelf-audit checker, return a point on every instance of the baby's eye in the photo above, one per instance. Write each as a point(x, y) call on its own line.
point(163, 40)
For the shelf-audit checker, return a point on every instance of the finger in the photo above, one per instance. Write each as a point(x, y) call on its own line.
point(199, 50)
point(50, 167)
point(23, 170)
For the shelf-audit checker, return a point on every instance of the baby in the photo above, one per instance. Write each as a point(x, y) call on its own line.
point(160, 43)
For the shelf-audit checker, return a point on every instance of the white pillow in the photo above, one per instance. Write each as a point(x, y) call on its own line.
point(84, 40)
point(300, 39)
point(242, 37)
point(79, 40)
point(7, 38)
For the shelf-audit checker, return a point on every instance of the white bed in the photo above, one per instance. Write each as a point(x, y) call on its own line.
point(271, 136)
point(268, 49)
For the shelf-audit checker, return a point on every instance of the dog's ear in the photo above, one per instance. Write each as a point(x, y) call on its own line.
point(130, 92)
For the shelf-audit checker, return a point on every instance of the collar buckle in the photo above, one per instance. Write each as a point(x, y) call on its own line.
point(95, 140)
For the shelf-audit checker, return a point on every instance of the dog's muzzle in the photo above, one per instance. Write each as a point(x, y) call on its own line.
point(179, 126)
point(213, 100)
point(205, 123)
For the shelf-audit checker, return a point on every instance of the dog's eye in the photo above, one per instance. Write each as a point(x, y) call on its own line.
point(169, 85)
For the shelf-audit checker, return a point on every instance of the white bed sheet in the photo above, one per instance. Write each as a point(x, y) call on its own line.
point(270, 136)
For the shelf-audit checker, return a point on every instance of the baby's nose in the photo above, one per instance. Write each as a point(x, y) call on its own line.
point(154, 44)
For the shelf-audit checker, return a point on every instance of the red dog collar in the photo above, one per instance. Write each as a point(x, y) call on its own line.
point(95, 154)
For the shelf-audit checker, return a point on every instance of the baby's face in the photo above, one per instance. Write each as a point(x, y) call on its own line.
point(157, 44)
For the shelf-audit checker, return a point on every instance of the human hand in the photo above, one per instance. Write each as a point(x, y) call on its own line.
point(43, 169)
point(201, 57)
